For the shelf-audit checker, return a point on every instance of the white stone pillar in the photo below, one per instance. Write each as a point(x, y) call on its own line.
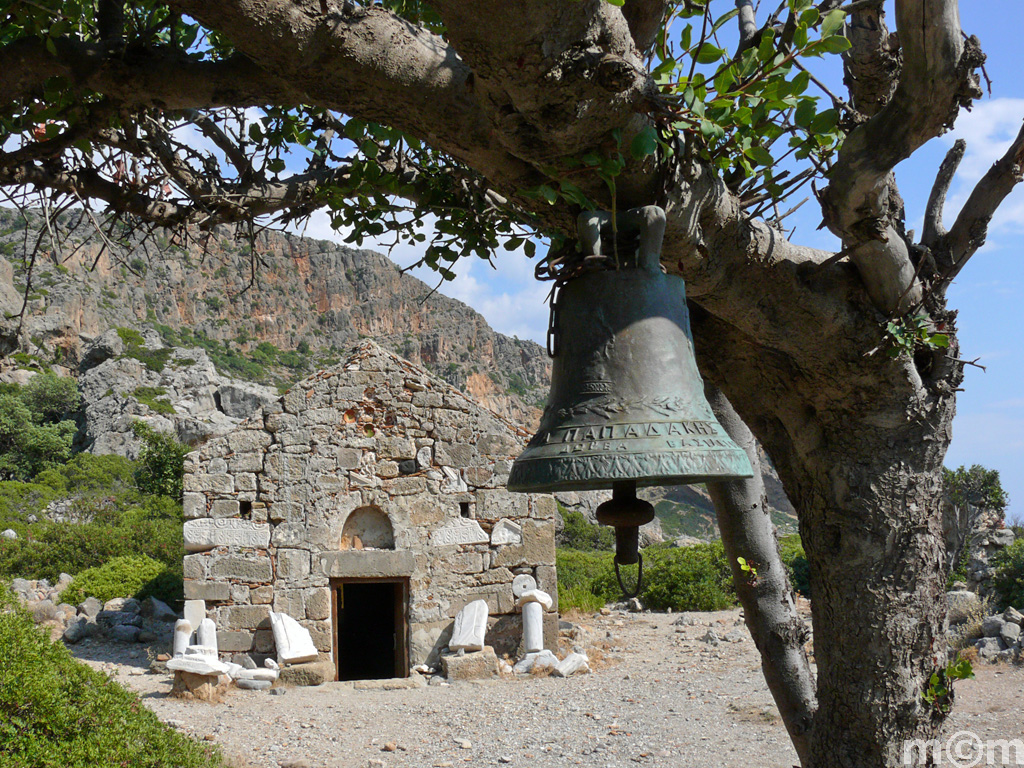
point(533, 603)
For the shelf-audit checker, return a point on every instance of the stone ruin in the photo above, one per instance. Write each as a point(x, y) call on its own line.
point(368, 504)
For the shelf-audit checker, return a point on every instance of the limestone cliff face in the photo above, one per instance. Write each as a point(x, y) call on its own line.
point(312, 293)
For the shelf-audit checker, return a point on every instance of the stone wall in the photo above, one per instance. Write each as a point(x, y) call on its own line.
point(266, 508)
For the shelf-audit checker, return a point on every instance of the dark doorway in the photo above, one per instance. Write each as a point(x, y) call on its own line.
point(370, 629)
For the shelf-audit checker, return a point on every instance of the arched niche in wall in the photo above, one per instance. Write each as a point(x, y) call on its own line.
point(368, 528)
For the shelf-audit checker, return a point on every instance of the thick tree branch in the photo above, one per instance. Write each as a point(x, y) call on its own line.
point(144, 78)
point(857, 203)
point(748, 22)
point(768, 608)
point(872, 65)
point(933, 229)
point(970, 229)
point(644, 18)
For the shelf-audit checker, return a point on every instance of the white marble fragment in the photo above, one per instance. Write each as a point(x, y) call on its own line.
point(539, 659)
point(271, 664)
point(206, 533)
point(195, 612)
point(182, 636)
point(256, 674)
point(424, 457)
point(470, 627)
point(207, 636)
point(571, 664)
point(506, 532)
point(294, 644)
point(201, 650)
point(461, 530)
point(197, 665)
point(453, 482)
point(522, 584)
point(535, 596)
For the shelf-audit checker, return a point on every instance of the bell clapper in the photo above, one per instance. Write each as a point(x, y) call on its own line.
point(626, 513)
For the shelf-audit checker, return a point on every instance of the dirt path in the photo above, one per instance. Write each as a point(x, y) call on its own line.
point(661, 697)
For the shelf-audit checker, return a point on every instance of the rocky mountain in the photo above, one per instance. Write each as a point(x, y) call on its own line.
point(190, 336)
point(272, 309)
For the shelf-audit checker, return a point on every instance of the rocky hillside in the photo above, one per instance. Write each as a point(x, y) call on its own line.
point(308, 301)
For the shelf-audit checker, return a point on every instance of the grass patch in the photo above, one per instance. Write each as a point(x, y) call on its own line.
point(58, 713)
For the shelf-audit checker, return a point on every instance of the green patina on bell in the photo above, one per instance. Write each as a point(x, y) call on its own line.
point(627, 405)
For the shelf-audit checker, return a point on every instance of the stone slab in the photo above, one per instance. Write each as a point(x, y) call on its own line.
point(214, 591)
point(461, 530)
point(310, 673)
point(471, 666)
point(197, 665)
point(367, 564)
point(207, 533)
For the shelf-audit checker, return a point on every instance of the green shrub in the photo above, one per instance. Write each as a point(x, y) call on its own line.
point(50, 398)
point(58, 713)
point(27, 446)
point(579, 533)
point(131, 576)
point(1009, 578)
point(696, 578)
point(148, 397)
point(791, 550)
point(693, 578)
point(161, 464)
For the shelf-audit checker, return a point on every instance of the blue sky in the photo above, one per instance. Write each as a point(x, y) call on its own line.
point(989, 426)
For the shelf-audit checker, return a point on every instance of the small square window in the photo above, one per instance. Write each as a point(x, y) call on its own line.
point(464, 508)
point(245, 509)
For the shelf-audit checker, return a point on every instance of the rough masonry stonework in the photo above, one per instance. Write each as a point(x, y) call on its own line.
point(371, 469)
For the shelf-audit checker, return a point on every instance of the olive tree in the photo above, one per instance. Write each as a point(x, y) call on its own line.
point(505, 120)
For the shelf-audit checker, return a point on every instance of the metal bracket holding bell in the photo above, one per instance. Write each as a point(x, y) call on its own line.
point(626, 407)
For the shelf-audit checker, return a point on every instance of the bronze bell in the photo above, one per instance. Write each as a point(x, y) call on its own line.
point(627, 405)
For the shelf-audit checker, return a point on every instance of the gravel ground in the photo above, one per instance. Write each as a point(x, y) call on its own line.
point(659, 696)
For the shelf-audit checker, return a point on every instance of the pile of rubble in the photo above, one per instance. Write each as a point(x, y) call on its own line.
point(122, 619)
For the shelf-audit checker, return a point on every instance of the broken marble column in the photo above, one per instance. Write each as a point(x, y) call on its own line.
point(533, 603)
point(182, 636)
point(470, 627)
point(293, 641)
point(206, 637)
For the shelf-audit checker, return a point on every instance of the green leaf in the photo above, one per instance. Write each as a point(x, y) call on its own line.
point(548, 193)
point(709, 54)
point(825, 121)
point(939, 340)
point(513, 243)
point(760, 155)
point(836, 44)
point(619, 3)
point(530, 248)
point(644, 143)
point(832, 23)
point(276, 165)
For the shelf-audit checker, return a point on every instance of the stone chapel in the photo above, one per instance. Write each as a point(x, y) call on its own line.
point(369, 504)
